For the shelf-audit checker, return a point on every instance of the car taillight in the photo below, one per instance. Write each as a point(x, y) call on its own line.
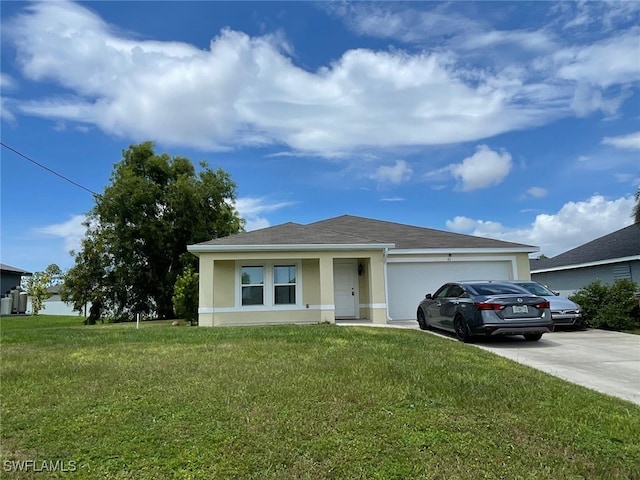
point(488, 306)
point(543, 305)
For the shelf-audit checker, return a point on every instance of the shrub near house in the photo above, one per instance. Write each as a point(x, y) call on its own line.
point(612, 307)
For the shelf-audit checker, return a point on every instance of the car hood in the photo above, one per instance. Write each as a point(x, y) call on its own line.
point(561, 303)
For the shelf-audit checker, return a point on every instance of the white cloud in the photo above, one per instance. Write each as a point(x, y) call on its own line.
point(612, 61)
point(630, 141)
point(533, 40)
point(587, 99)
point(537, 192)
point(396, 174)
point(406, 25)
point(246, 90)
point(574, 224)
point(485, 168)
point(72, 232)
point(7, 82)
point(252, 210)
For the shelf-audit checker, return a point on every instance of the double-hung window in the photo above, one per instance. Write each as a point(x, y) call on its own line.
point(284, 284)
point(252, 285)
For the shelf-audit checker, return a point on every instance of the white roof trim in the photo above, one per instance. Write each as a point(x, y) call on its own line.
point(195, 249)
point(445, 251)
point(588, 264)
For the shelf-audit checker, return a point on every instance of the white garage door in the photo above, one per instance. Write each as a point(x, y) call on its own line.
point(409, 282)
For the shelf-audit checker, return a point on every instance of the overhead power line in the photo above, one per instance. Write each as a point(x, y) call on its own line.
point(48, 169)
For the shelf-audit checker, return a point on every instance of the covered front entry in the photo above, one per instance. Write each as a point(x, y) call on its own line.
point(345, 283)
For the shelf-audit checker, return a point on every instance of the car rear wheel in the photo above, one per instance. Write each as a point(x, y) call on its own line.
point(462, 331)
point(422, 322)
point(532, 337)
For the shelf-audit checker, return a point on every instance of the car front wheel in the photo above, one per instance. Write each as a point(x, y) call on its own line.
point(422, 322)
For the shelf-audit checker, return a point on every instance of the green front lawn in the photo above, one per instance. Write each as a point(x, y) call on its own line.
point(295, 402)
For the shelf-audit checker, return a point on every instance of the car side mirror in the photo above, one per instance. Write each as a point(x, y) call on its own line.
point(428, 296)
point(557, 294)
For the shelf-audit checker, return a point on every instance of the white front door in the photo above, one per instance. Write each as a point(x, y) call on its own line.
point(345, 284)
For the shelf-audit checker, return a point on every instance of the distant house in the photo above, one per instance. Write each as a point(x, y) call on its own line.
point(10, 277)
point(54, 305)
point(341, 268)
point(609, 258)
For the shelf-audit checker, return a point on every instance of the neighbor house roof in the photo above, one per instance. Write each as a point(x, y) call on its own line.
point(350, 232)
point(621, 245)
point(8, 268)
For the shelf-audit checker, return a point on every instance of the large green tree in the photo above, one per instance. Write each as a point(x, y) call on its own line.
point(139, 229)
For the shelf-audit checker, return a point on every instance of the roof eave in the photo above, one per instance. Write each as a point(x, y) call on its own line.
point(200, 248)
point(417, 251)
point(587, 264)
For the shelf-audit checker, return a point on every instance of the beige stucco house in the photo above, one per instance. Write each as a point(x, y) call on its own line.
point(341, 268)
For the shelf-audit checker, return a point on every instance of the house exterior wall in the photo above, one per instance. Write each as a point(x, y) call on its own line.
point(220, 288)
point(523, 267)
point(568, 281)
point(9, 280)
point(55, 306)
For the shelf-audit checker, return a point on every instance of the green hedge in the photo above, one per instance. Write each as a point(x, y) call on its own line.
point(612, 307)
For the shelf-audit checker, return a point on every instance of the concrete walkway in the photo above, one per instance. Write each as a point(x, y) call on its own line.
point(608, 362)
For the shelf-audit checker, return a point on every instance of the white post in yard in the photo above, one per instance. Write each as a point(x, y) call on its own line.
point(137, 321)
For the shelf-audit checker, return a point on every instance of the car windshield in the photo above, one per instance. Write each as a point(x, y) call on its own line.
point(537, 289)
point(496, 288)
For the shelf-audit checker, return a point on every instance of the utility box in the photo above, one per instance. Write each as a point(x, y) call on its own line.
point(22, 302)
point(5, 305)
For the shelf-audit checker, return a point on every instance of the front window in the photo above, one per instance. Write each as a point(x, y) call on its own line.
point(252, 285)
point(284, 284)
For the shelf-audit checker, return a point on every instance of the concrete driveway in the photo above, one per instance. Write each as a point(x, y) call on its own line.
point(608, 362)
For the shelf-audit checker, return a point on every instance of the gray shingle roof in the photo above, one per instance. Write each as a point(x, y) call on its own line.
point(619, 244)
point(350, 230)
point(291, 234)
point(409, 236)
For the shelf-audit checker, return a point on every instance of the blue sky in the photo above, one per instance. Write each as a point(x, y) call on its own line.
point(518, 121)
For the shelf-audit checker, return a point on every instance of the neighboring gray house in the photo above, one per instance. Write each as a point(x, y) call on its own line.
point(10, 277)
point(54, 304)
point(609, 258)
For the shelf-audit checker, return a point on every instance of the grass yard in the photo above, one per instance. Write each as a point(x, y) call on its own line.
point(293, 402)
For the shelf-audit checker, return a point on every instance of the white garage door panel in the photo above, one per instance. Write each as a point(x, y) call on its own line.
point(409, 282)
